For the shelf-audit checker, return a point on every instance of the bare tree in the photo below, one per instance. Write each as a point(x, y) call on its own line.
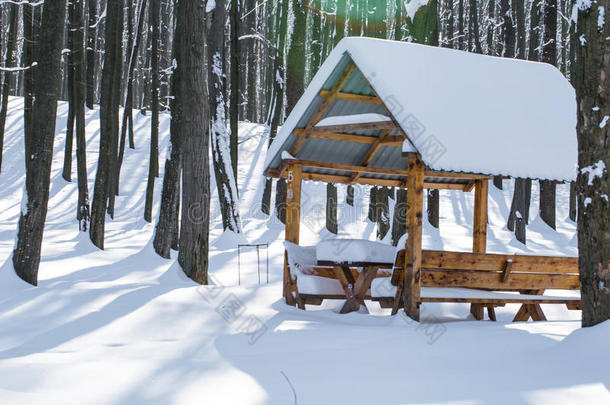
point(592, 80)
point(109, 122)
point(26, 256)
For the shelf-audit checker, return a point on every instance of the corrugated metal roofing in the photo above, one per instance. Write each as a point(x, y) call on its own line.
point(345, 152)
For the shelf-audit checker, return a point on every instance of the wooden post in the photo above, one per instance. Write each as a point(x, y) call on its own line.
point(293, 219)
point(413, 256)
point(479, 228)
point(479, 231)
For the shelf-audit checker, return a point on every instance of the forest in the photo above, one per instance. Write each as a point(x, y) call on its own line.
point(213, 64)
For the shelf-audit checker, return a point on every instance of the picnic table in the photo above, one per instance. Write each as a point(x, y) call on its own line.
point(365, 256)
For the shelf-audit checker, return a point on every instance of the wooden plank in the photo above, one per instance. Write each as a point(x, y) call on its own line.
point(479, 228)
point(347, 72)
point(356, 98)
point(499, 301)
point(493, 280)
point(363, 126)
point(434, 259)
point(347, 168)
point(372, 151)
point(456, 175)
point(413, 256)
point(443, 186)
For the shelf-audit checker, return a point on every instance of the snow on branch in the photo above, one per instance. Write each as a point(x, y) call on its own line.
point(17, 69)
point(23, 2)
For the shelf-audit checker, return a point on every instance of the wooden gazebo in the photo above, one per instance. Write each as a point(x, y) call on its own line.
point(365, 119)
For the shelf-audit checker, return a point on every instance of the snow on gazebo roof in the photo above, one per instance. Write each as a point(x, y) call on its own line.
point(461, 111)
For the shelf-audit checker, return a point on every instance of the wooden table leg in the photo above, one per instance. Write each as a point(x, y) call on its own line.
point(361, 286)
point(530, 310)
point(340, 275)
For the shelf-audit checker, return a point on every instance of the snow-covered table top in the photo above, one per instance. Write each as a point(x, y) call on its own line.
point(354, 251)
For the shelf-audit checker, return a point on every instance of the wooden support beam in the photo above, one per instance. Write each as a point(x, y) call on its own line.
point(340, 136)
point(334, 178)
point(372, 150)
point(362, 126)
point(293, 219)
point(356, 98)
point(413, 256)
point(347, 72)
point(456, 175)
point(479, 229)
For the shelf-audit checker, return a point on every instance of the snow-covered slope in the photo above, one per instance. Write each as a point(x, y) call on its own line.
point(123, 326)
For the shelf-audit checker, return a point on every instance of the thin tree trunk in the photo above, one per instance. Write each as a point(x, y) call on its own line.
point(507, 31)
point(549, 55)
point(533, 52)
point(109, 111)
point(8, 62)
point(78, 94)
point(433, 207)
point(331, 208)
point(474, 24)
point(234, 73)
point(383, 212)
point(26, 256)
point(461, 24)
point(592, 81)
point(153, 166)
point(91, 56)
point(127, 123)
point(295, 74)
point(399, 223)
point(220, 138)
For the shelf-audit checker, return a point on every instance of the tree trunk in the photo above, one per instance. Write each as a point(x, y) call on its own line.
point(295, 74)
point(519, 10)
point(433, 207)
point(331, 208)
point(8, 62)
point(507, 31)
point(31, 26)
point(399, 223)
point(234, 77)
point(127, 123)
point(77, 92)
point(153, 166)
point(26, 256)
point(461, 24)
point(533, 52)
point(474, 25)
point(109, 116)
point(549, 55)
point(278, 90)
point(220, 138)
point(383, 212)
point(91, 56)
point(192, 112)
point(280, 200)
point(592, 81)
point(491, 24)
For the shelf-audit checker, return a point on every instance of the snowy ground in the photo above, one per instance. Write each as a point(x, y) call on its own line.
point(123, 326)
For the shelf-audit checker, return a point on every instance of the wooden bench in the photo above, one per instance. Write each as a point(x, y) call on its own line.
point(486, 280)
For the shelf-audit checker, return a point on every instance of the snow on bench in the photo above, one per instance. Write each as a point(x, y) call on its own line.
point(355, 251)
point(301, 262)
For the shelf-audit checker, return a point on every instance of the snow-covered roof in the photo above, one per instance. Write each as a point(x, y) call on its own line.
point(464, 112)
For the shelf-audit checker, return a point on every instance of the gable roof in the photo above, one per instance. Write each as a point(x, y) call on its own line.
point(461, 111)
